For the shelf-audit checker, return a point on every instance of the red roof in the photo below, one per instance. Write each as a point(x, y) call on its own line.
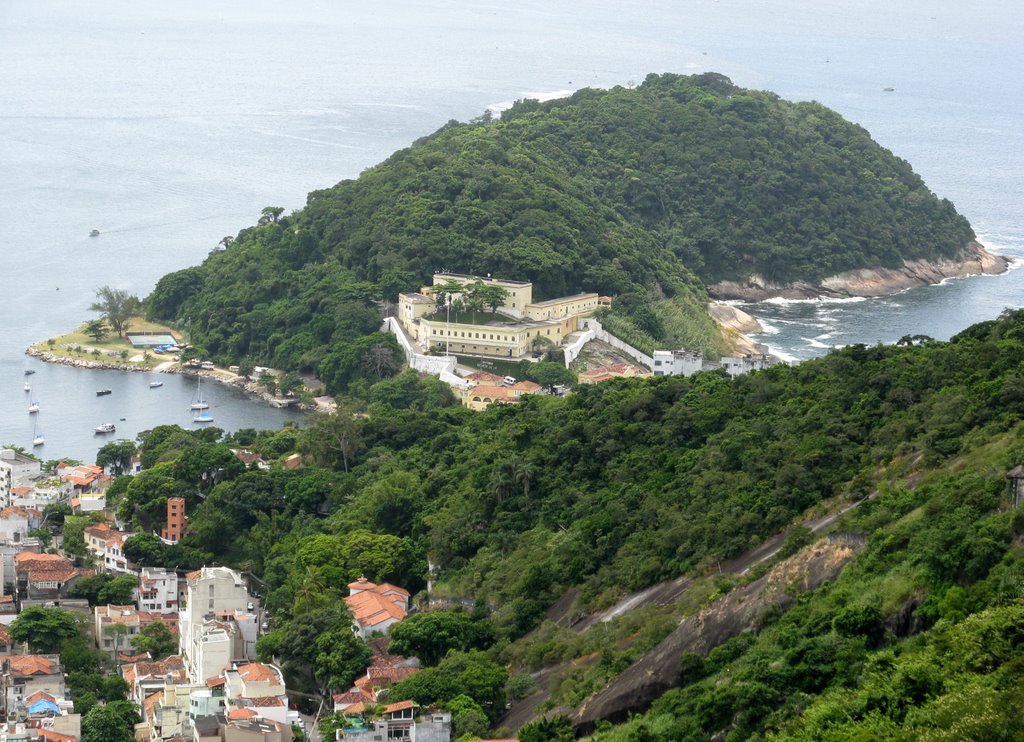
point(400, 706)
point(52, 736)
point(242, 714)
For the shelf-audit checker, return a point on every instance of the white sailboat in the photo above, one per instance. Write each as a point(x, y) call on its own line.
point(199, 404)
point(203, 417)
point(33, 407)
point(37, 437)
point(28, 387)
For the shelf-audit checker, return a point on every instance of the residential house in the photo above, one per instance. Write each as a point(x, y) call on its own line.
point(384, 671)
point(114, 626)
point(250, 459)
point(145, 678)
point(25, 676)
point(16, 470)
point(16, 522)
point(45, 576)
point(397, 721)
point(158, 590)
point(376, 608)
point(486, 389)
point(83, 477)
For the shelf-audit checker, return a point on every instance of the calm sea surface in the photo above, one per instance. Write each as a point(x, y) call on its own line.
point(167, 126)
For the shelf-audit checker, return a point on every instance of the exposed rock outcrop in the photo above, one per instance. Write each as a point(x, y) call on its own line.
point(973, 260)
point(734, 323)
point(740, 610)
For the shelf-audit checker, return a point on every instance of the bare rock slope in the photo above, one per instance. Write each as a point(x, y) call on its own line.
point(973, 260)
point(740, 610)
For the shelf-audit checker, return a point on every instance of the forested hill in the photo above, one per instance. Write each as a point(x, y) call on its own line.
point(649, 192)
point(583, 499)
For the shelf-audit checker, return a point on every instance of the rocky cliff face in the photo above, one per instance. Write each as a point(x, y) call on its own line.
point(973, 260)
point(734, 323)
point(738, 611)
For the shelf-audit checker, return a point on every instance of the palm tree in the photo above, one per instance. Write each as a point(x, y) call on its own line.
point(501, 481)
point(523, 472)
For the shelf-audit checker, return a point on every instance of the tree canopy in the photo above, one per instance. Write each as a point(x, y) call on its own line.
point(647, 194)
point(116, 306)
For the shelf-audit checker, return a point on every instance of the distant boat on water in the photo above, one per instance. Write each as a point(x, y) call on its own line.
point(155, 384)
point(38, 440)
point(94, 233)
point(33, 408)
point(101, 392)
point(29, 371)
point(28, 387)
point(105, 428)
point(203, 417)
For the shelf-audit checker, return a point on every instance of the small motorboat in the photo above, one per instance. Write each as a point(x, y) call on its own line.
point(94, 233)
point(203, 417)
point(155, 384)
point(102, 392)
point(28, 387)
point(38, 440)
point(106, 428)
point(29, 371)
point(33, 408)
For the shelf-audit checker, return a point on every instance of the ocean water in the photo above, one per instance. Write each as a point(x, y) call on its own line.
point(167, 126)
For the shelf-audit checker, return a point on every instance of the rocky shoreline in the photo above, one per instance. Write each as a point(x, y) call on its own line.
point(973, 260)
point(251, 388)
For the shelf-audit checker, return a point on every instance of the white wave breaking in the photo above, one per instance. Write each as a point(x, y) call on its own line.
point(496, 108)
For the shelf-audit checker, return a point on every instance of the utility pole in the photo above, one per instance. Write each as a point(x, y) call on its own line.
point(447, 324)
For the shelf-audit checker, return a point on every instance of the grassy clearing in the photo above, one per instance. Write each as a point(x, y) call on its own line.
point(76, 345)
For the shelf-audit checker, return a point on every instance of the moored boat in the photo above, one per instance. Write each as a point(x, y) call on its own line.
point(38, 440)
point(28, 387)
point(155, 384)
point(101, 392)
point(33, 408)
point(106, 428)
point(200, 403)
point(203, 417)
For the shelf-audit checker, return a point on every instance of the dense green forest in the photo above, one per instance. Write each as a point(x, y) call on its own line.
point(628, 483)
point(647, 194)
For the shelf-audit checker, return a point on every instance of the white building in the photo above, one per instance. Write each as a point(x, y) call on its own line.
point(16, 470)
point(158, 590)
point(16, 522)
point(688, 362)
point(677, 362)
point(208, 634)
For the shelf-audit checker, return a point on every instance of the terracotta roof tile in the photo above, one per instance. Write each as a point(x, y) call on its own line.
point(370, 609)
point(32, 664)
point(51, 736)
point(400, 706)
point(267, 701)
point(255, 672)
